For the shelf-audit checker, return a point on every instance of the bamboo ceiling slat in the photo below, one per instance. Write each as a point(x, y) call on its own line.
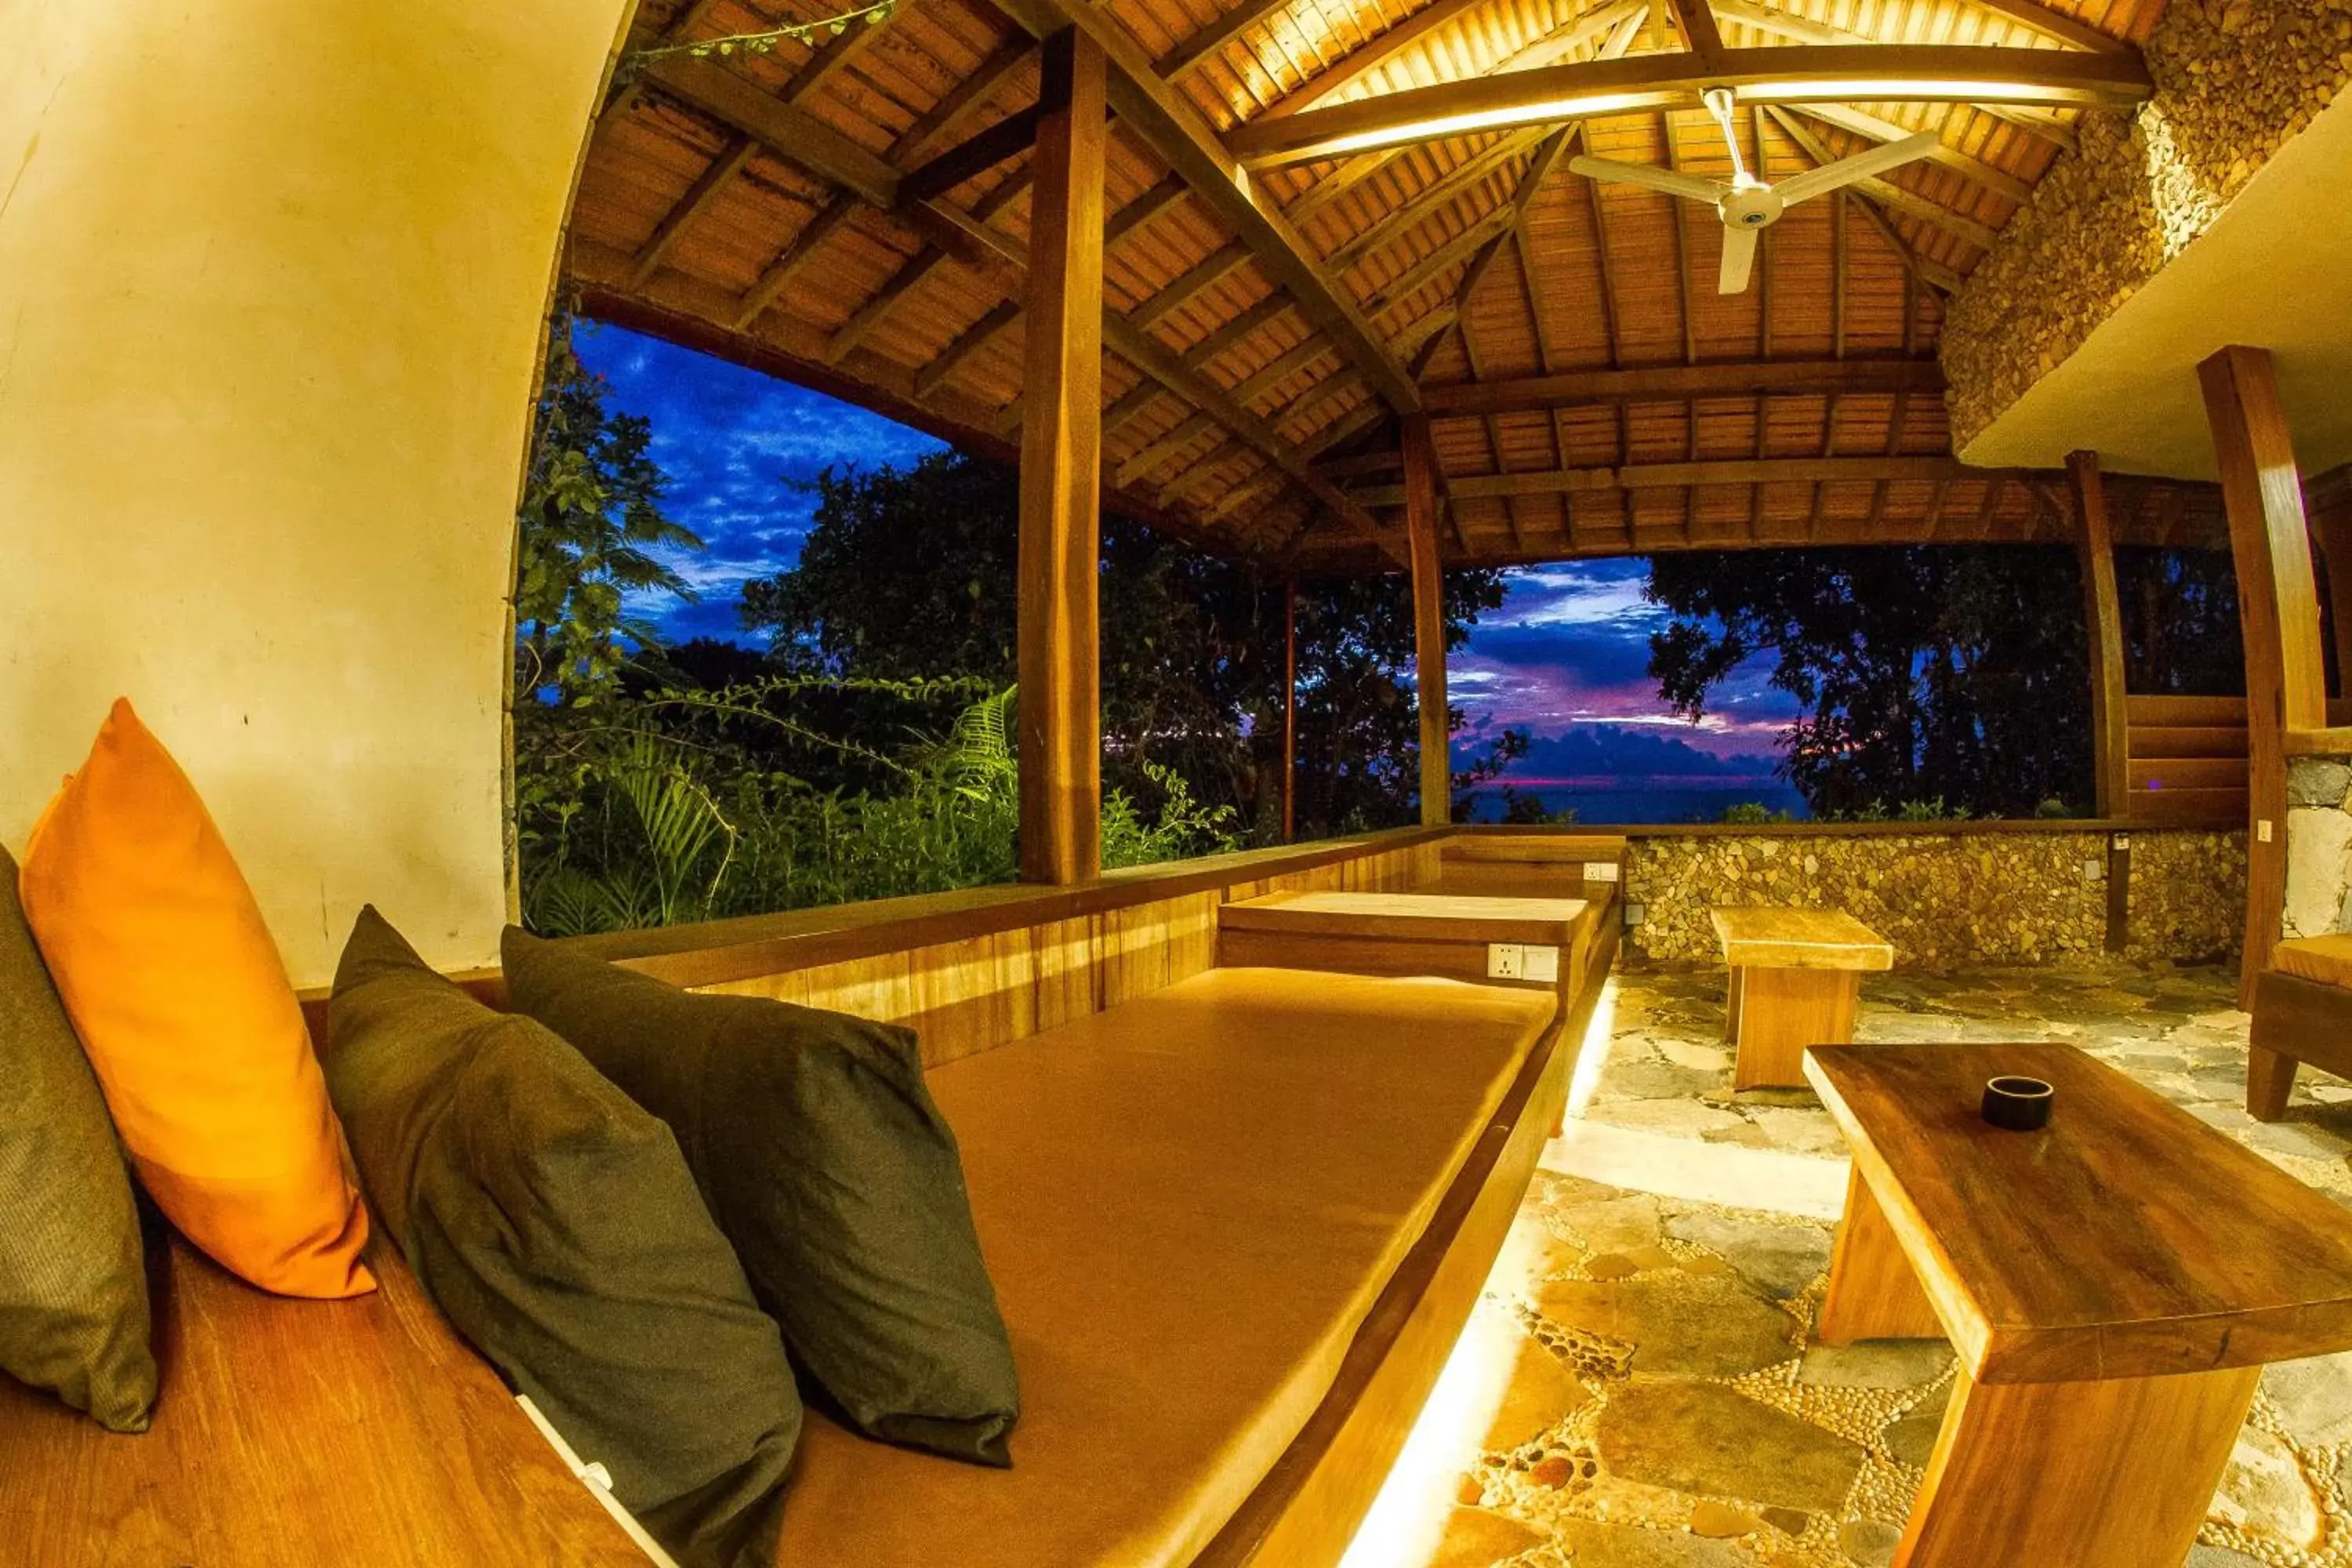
point(681, 219)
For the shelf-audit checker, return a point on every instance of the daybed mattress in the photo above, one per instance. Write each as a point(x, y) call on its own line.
point(1189, 1204)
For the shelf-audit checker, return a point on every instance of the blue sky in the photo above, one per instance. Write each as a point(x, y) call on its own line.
point(1564, 659)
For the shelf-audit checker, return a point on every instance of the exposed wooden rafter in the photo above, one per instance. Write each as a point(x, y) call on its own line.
point(1167, 121)
point(1797, 29)
point(1683, 476)
point(1675, 384)
point(1897, 73)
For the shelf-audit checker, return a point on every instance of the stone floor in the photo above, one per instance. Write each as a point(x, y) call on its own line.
point(1637, 1389)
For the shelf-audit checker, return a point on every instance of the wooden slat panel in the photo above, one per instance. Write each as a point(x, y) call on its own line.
point(2188, 773)
point(2187, 807)
point(2188, 741)
point(2199, 711)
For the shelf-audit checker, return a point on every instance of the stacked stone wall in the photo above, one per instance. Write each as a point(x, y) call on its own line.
point(1952, 899)
point(2235, 81)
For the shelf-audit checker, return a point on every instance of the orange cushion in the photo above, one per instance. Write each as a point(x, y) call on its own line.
point(2325, 959)
point(183, 1004)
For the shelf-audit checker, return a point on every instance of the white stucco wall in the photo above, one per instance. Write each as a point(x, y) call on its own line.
point(272, 274)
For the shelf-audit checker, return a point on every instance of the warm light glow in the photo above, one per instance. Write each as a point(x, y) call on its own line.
point(1577, 108)
point(1908, 89)
point(1409, 1517)
point(1600, 1036)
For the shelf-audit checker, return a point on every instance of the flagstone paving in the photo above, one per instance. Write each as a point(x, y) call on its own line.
point(1667, 1408)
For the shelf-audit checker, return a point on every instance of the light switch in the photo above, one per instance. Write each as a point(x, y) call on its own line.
point(1543, 963)
point(1600, 870)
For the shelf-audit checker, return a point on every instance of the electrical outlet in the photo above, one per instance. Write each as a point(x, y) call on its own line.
point(1543, 963)
point(1600, 870)
point(1506, 960)
point(2095, 870)
point(1636, 914)
point(2263, 830)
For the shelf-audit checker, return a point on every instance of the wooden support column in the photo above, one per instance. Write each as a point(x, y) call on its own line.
point(2329, 498)
point(1290, 710)
point(1428, 621)
point(1061, 477)
point(2278, 616)
point(2095, 548)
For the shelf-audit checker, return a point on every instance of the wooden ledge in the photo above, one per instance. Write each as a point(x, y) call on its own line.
point(2329, 742)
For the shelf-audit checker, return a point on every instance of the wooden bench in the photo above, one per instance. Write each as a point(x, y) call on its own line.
point(290, 1430)
point(1587, 866)
point(1795, 981)
point(292, 1433)
point(2113, 1285)
point(1545, 944)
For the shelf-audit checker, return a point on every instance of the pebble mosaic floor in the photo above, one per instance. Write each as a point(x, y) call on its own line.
point(1662, 1406)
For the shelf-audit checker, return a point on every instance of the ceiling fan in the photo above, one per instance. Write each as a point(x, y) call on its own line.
point(1749, 205)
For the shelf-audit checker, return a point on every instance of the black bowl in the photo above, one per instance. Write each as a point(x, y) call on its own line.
point(2019, 1104)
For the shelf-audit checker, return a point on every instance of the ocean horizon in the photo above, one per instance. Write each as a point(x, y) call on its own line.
point(1642, 800)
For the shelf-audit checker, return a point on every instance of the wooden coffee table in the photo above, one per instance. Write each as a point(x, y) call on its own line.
point(1796, 976)
point(2111, 1284)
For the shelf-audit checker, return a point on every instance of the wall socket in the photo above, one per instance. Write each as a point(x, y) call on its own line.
point(1518, 960)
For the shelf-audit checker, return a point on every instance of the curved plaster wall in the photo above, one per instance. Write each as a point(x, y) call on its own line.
point(272, 276)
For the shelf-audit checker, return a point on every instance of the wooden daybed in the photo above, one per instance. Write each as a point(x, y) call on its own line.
point(1236, 1217)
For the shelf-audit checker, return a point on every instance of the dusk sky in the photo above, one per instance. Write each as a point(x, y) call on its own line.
point(1565, 658)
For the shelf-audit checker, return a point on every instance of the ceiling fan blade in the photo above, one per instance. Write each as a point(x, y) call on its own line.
point(1650, 175)
point(1861, 166)
point(1738, 258)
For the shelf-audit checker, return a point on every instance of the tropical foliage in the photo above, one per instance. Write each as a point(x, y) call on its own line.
point(871, 753)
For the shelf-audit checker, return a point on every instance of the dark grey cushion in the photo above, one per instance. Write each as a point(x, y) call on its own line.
point(826, 1163)
point(556, 1226)
point(73, 1280)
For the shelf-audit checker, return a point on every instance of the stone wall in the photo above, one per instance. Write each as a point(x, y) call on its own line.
point(1950, 897)
point(2318, 846)
point(2235, 80)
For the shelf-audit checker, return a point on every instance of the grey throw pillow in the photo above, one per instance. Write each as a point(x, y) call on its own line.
point(555, 1224)
point(73, 1280)
point(825, 1162)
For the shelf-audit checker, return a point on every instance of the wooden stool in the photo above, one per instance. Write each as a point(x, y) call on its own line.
point(1796, 975)
point(2111, 1284)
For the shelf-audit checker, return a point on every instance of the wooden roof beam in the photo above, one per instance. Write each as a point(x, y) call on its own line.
point(1148, 354)
point(1196, 281)
point(1805, 30)
point(698, 200)
point(1000, 317)
point(1425, 203)
point(1931, 273)
point(785, 128)
point(1369, 56)
point(1194, 51)
point(1792, 74)
point(838, 51)
point(1705, 471)
point(2050, 24)
point(1167, 121)
point(1678, 383)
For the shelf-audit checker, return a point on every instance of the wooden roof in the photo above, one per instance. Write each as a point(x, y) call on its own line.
point(1327, 214)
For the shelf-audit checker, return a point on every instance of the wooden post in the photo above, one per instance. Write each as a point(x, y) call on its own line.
point(1290, 710)
point(1061, 462)
point(1428, 621)
point(2278, 616)
point(2103, 617)
point(2329, 497)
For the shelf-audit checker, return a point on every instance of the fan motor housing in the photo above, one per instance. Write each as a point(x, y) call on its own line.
point(1751, 206)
